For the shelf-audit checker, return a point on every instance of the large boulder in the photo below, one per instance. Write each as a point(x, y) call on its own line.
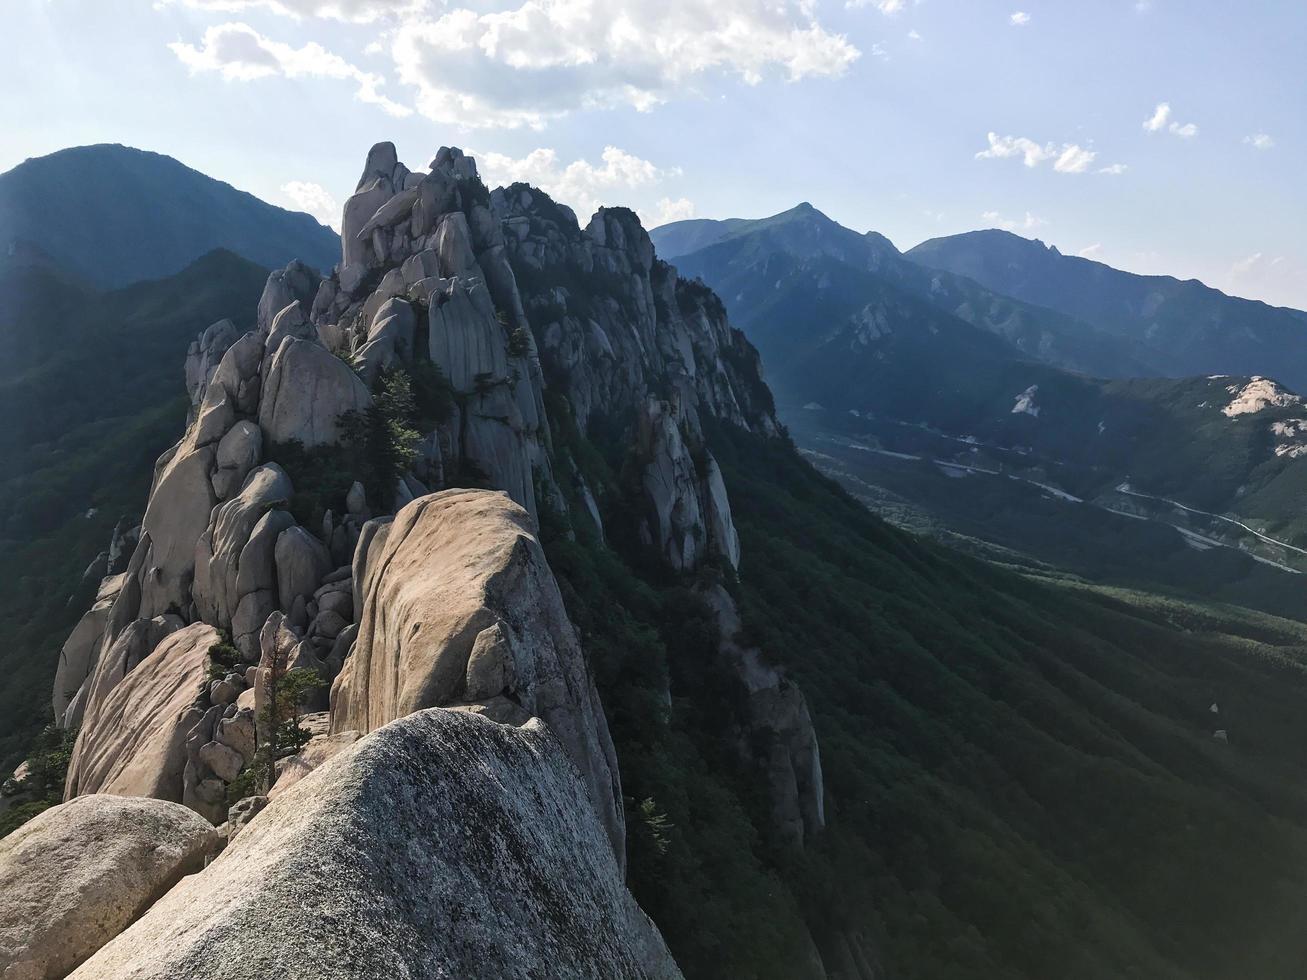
point(133, 741)
point(122, 655)
point(81, 872)
point(458, 607)
point(306, 388)
point(295, 283)
point(219, 552)
point(302, 562)
point(390, 339)
point(289, 322)
point(239, 452)
point(381, 162)
point(443, 845)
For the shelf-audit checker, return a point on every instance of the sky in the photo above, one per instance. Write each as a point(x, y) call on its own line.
point(1159, 136)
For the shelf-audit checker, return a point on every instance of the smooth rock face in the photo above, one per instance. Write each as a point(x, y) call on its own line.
point(132, 743)
point(443, 845)
point(359, 209)
point(78, 657)
point(305, 390)
point(469, 344)
point(455, 598)
point(78, 874)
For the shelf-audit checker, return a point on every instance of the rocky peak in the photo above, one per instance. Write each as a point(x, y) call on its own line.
point(269, 544)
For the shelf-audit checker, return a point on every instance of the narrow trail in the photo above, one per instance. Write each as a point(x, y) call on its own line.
point(1125, 488)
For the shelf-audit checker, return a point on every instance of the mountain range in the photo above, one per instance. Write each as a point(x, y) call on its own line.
point(616, 682)
point(1184, 327)
point(863, 343)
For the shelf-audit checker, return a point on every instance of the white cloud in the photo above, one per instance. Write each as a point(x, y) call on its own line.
point(668, 211)
point(913, 35)
point(1002, 147)
point(1161, 119)
point(545, 58)
point(1091, 251)
point(584, 186)
point(1246, 265)
point(1069, 158)
point(1029, 223)
point(1114, 170)
point(1074, 160)
point(240, 53)
point(1259, 141)
point(353, 11)
point(884, 6)
point(313, 199)
point(1019, 19)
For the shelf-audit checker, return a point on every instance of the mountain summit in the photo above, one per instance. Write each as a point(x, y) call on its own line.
point(110, 215)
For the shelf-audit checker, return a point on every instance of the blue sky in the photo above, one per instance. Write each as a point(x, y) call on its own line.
point(1163, 136)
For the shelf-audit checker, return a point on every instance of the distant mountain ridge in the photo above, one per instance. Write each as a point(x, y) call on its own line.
point(844, 322)
point(110, 215)
point(730, 252)
point(1186, 326)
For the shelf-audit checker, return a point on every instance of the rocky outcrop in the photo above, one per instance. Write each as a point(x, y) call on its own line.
point(442, 845)
point(412, 286)
point(81, 872)
point(616, 325)
point(132, 739)
point(775, 732)
point(458, 607)
point(296, 283)
point(485, 301)
point(202, 359)
point(688, 516)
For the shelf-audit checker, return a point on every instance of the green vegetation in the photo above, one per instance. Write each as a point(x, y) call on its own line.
point(381, 440)
point(377, 445)
point(1021, 775)
point(280, 731)
point(1022, 778)
point(43, 785)
point(1017, 523)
